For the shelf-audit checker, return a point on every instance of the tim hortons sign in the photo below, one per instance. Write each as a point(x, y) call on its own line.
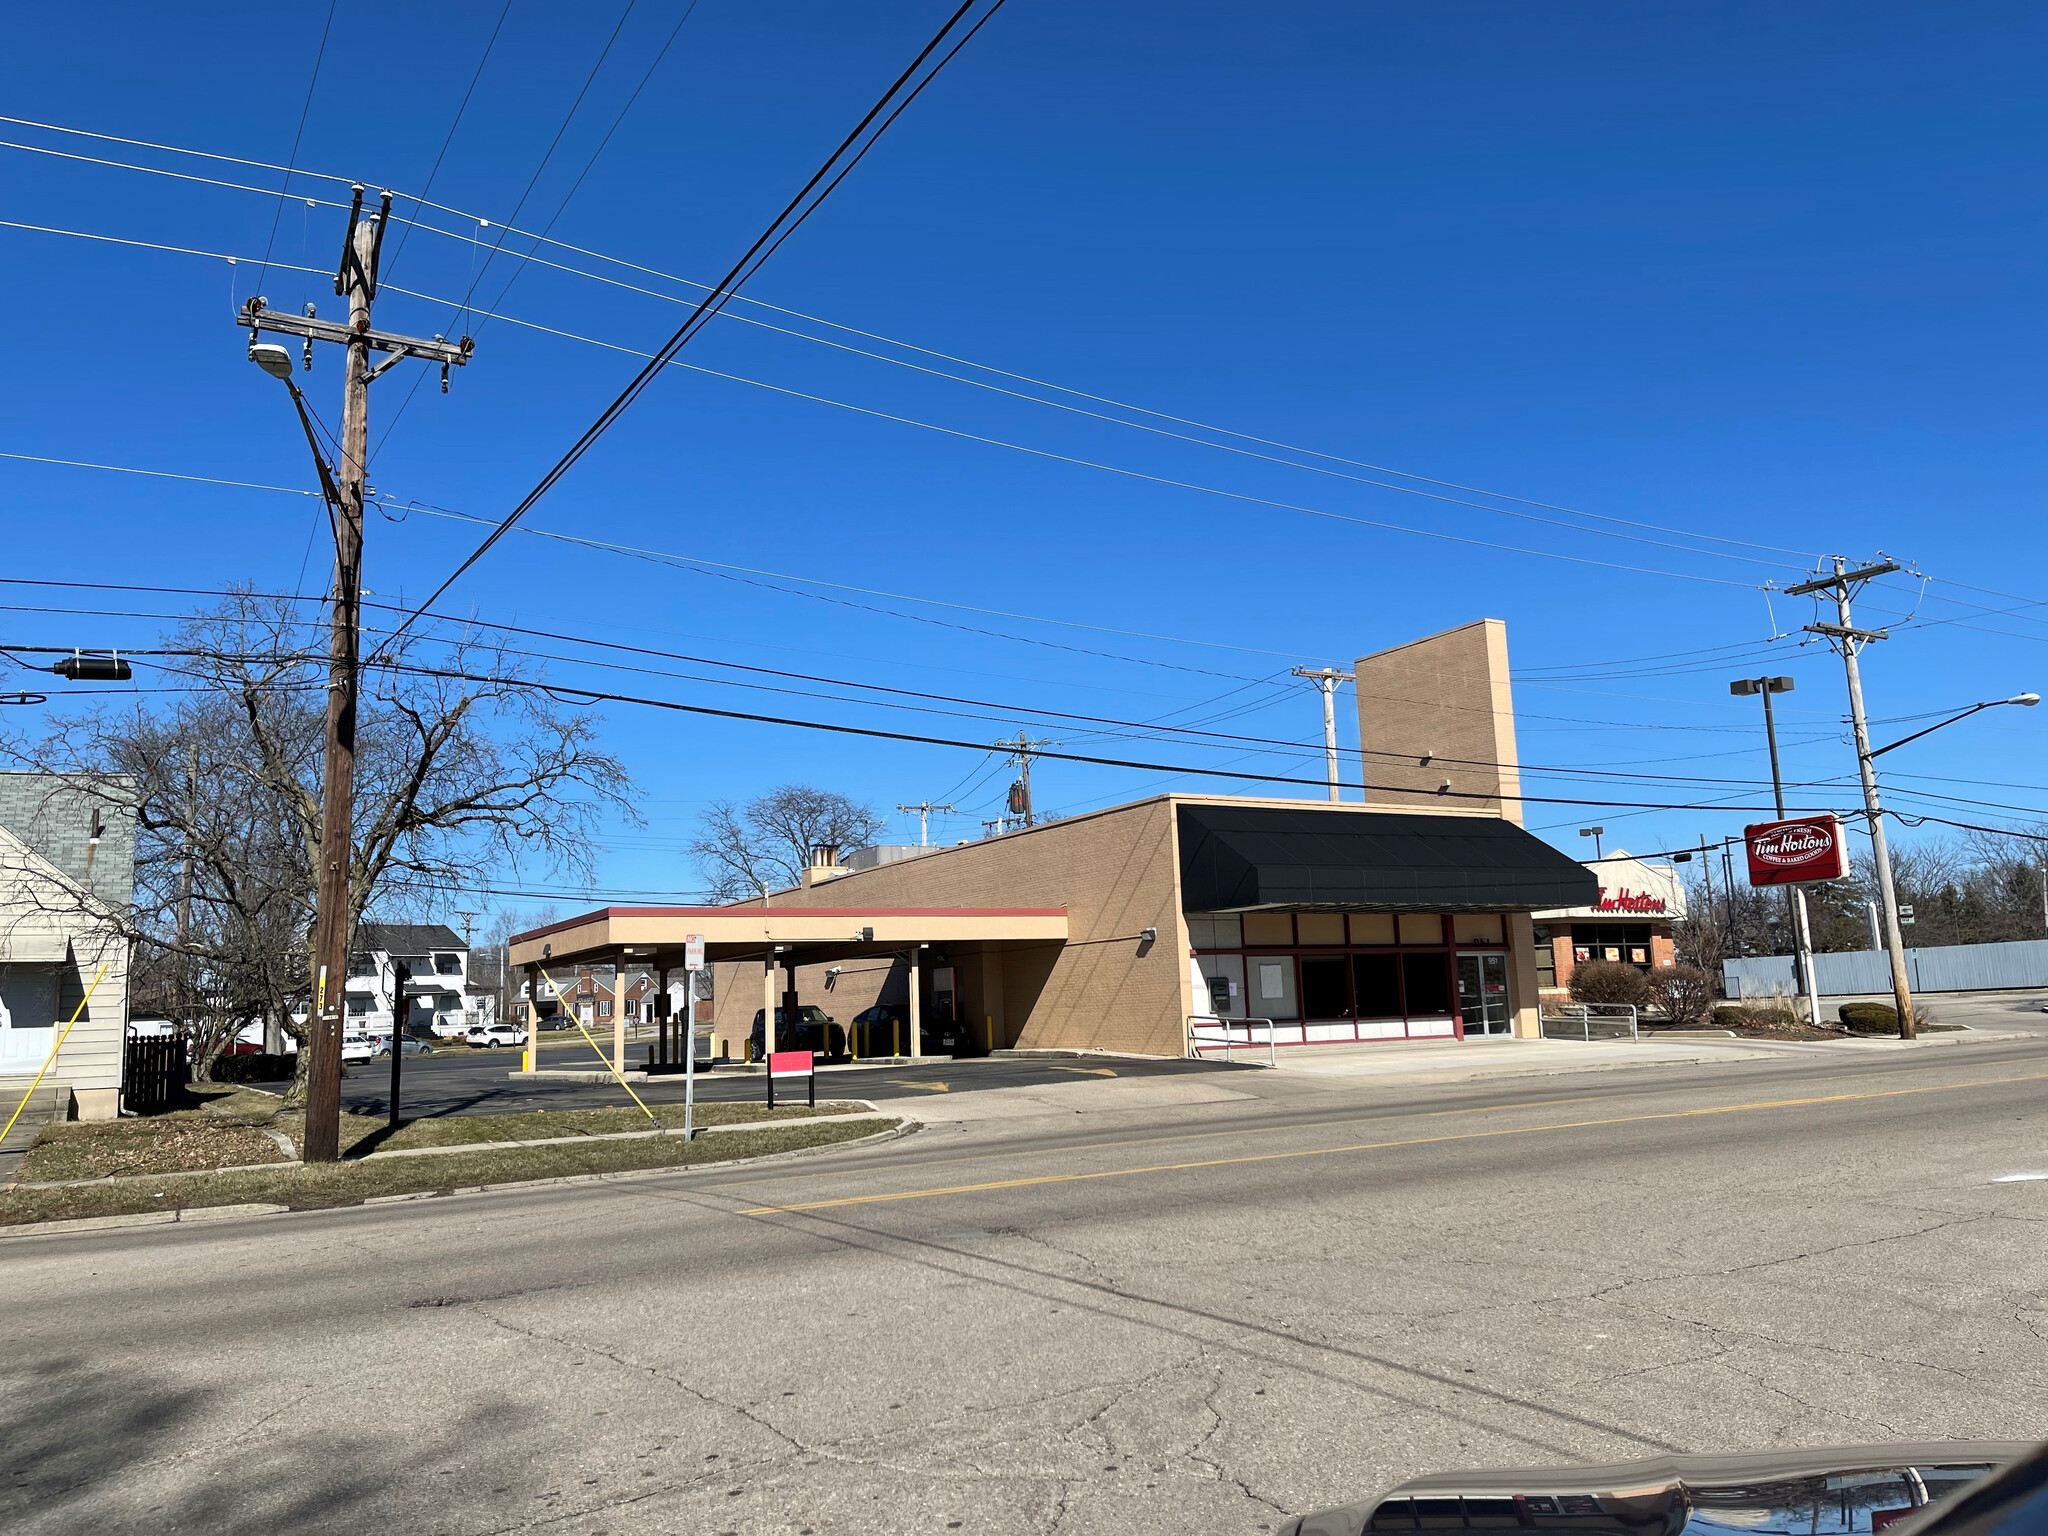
point(1622, 899)
point(1796, 852)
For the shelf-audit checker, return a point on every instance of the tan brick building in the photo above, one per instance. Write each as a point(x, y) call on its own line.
point(1169, 923)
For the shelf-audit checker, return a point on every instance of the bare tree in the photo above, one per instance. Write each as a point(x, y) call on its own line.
point(463, 763)
point(768, 841)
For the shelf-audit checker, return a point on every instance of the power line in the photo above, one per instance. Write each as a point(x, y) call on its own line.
point(924, 699)
point(457, 307)
point(658, 359)
point(560, 208)
point(460, 108)
point(741, 270)
point(575, 186)
point(553, 144)
point(304, 111)
point(557, 690)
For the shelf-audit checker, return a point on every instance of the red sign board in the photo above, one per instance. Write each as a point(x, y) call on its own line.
point(791, 1063)
point(1796, 852)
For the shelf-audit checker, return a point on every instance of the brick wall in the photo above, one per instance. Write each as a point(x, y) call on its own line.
point(1113, 871)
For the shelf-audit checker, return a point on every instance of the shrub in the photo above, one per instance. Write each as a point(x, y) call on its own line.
point(254, 1068)
point(1739, 1016)
point(1609, 981)
point(1684, 992)
point(1869, 1018)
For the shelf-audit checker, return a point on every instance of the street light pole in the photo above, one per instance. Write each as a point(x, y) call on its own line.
point(1795, 897)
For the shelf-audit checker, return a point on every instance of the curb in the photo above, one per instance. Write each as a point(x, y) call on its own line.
point(567, 1141)
point(624, 1175)
point(628, 1175)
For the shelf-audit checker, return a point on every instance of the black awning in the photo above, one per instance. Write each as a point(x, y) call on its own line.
point(1238, 856)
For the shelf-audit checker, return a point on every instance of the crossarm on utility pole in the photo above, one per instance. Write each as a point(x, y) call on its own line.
point(437, 349)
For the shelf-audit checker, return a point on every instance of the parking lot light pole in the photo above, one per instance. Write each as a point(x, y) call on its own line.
point(1795, 898)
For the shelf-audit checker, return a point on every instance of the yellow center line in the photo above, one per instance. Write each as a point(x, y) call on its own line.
point(1152, 1141)
point(1380, 1146)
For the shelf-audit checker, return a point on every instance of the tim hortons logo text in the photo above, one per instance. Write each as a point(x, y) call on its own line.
point(1799, 844)
point(1625, 900)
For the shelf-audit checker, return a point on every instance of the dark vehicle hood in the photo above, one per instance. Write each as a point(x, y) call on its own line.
point(1835, 1490)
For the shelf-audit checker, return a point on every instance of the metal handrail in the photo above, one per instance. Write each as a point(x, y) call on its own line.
point(1585, 1017)
point(1272, 1047)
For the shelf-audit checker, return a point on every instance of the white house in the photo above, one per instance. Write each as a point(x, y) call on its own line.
point(438, 991)
point(67, 872)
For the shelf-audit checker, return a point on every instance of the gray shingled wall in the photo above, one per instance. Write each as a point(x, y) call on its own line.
point(53, 815)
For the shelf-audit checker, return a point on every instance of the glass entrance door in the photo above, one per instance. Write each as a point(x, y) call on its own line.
point(1483, 995)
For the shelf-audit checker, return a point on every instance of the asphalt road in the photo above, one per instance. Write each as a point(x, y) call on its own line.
point(1124, 1314)
point(476, 1081)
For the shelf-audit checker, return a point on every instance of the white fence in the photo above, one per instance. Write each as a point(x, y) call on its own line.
point(1940, 968)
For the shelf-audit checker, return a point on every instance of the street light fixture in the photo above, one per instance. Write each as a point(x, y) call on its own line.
point(272, 359)
point(1595, 834)
point(2026, 699)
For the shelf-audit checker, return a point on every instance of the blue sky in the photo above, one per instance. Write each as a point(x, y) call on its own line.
point(1759, 274)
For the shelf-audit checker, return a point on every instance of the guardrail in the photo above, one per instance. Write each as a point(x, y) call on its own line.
point(1609, 1021)
point(1201, 1021)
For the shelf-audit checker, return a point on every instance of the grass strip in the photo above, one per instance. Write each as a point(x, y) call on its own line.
point(533, 1125)
point(319, 1186)
point(102, 1149)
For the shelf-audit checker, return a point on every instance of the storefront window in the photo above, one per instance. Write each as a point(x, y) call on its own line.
point(1546, 957)
point(1426, 980)
point(1377, 979)
point(1623, 943)
point(1339, 976)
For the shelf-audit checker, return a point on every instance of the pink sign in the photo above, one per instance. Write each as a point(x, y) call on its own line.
point(791, 1063)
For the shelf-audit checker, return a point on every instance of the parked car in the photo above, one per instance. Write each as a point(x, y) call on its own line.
point(814, 1030)
point(877, 1031)
point(491, 1035)
point(412, 1046)
point(358, 1047)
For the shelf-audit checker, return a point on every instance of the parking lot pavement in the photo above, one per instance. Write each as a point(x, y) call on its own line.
point(476, 1081)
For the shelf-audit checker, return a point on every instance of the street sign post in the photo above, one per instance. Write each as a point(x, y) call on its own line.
point(693, 962)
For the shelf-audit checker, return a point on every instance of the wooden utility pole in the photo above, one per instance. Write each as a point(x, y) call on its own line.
point(332, 925)
point(1326, 680)
point(1022, 749)
point(1848, 639)
point(334, 918)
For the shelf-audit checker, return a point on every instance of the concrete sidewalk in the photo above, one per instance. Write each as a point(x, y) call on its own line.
point(1464, 1061)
